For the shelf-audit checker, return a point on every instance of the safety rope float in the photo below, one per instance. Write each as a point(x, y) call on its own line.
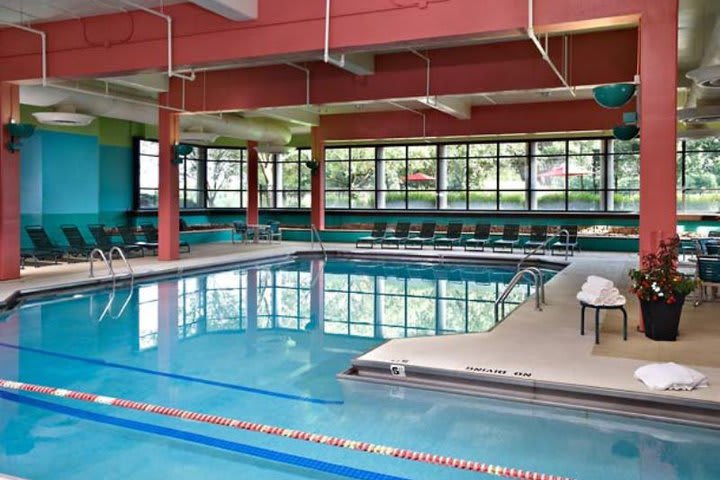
point(422, 457)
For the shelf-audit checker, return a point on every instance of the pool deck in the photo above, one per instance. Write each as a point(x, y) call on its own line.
point(544, 348)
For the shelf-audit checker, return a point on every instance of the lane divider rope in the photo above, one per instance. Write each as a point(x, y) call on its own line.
point(422, 457)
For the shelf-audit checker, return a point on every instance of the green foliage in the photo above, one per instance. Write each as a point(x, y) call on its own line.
point(658, 279)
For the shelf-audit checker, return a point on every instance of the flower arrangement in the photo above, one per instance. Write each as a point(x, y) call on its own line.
point(658, 279)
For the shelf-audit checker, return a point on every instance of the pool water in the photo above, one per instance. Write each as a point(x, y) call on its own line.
point(193, 343)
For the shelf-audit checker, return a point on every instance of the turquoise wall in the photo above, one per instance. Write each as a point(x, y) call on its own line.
point(74, 178)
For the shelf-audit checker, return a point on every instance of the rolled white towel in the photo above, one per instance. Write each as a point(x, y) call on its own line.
point(588, 298)
point(601, 282)
point(609, 297)
point(595, 289)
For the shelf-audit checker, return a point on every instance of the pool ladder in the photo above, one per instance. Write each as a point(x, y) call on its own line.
point(538, 280)
point(315, 234)
point(107, 260)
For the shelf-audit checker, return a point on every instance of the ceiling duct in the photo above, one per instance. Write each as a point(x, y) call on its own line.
point(706, 77)
point(198, 138)
point(256, 129)
point(695, 133)
point(701, 114)
point(64, 116)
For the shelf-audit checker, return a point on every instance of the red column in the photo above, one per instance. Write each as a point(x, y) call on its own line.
point(9, 186)
point(317, 186)
point(169, 203)
point(658, 123)
point(252, 216)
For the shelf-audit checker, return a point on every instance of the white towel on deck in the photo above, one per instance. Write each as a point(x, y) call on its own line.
point(597, 281)
point(670, 376)
point(612, 298)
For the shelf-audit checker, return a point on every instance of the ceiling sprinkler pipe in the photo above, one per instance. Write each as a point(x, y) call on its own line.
point(543, 51)
point(326, 56)
point(170, 72)
point(43, 44)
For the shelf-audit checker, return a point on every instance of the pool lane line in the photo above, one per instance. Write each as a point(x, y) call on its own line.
point(175, 376)
point(205, 440)
point(282, 432)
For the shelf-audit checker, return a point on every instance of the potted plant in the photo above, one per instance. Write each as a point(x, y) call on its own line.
point(661, 290)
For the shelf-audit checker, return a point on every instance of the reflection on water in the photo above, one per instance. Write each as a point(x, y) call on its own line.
point(360, 299)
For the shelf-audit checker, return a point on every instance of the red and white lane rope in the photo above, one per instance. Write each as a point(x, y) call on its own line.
point(495, 470)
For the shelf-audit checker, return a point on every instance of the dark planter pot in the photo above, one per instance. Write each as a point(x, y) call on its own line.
point(662, 320)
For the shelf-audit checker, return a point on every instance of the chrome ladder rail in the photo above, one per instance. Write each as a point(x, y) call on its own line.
point(545, 244)
point(539, 290)
point(104, 259)
point(121, 254)
point(314, 233)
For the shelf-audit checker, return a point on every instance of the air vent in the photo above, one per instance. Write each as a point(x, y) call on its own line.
point(706, 77)
point(63, 119)
point(702, 114)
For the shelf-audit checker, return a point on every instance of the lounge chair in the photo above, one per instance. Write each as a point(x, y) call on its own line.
point(376, 236)
point(77, 244)
point(127, 233)
point(426, 236)
point(479, 238)
point(452, 237)
point(239, 229)
point(538, 239)
point(565, 242)
point(104, 241)
point(271, 232)
point(151, 236)
point(707, 274)
point(399, 236)
point(43, 248)
point(510, 238)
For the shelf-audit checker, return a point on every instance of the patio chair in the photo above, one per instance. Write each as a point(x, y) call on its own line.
point(452, 237)
point(151, 236)
point(43, 248)
point(538, 239)
point(376, 236)
point(399, 236)
point(77, 244)
point(566, 242)
point(104, 241)
point(426, 236)
point(510, 238)
point(127, 233)
point(271, 232)
point(479, 238)
point(239, 229)
point(707, 274)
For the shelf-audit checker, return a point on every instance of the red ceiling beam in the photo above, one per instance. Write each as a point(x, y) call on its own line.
point(124, 43)
point(595, 58)
point(575, 116)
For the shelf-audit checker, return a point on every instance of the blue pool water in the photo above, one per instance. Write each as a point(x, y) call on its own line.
point(193, 343)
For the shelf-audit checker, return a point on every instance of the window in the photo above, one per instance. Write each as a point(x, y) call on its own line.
point(350, 177)
point(148, 175)
point(623, 167)
point(292, 178)
point(699, 175)
point(226, 178)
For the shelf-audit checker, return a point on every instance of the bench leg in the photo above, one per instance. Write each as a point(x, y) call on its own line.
point(597, 326)
point(582, 320)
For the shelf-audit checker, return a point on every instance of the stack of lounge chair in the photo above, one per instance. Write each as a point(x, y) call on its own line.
point(539, 240)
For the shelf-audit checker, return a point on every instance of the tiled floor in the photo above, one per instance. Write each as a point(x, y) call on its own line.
point(547, 343)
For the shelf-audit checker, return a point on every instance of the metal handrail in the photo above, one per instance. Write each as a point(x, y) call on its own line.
point(539, 295)
point(105, 261)
point(121, 254)
point(544, 245)
point(541, 281)
point(313, 234)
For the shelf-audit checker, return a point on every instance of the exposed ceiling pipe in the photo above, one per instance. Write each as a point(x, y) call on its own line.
point(307, 79)
point(427, 72)
point(43, 42)
point(95, 103)
point(328, 59)
point(416, 112)
point(544, 50)
point(170, 72)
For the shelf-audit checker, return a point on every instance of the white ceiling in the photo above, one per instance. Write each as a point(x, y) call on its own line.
point(33, 11)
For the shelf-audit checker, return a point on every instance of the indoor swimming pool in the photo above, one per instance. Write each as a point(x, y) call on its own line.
point(264, 344)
